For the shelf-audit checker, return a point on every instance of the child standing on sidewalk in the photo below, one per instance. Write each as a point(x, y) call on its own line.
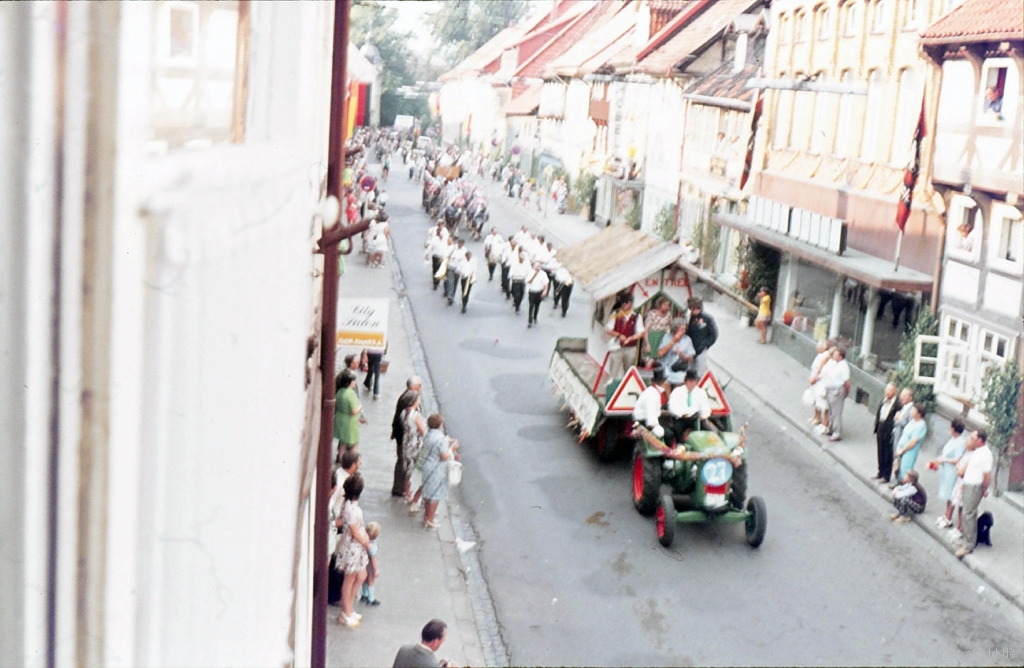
point(372, 571)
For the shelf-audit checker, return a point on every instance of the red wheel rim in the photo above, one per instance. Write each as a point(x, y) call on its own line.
point(638, 478)
point(661, 522)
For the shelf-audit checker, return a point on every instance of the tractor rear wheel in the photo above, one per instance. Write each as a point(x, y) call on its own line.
point(606, 441)
point(738, 488)
point(665, 520)
point(646, 482)
point(757, 521)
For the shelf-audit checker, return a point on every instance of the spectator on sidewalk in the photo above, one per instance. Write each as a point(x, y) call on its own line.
point(836, 376)
point(657, 325)
point(884, 417)
point(909, 498)
point(946, 462)
point(977, 478)
point(421, 655)
point(910, 442)
point(372, 381)
point(412, 392)
point(625, 328)
point(438, 449)
point(703, 332)
point(677, 354)
point(352, 550)
point(902, 419)
point(372, 569)
point(764, 313)
point(820, 419)
point(414, 428)
point(347, 413)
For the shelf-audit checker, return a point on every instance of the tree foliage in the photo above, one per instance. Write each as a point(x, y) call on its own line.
point(903, 375)
point(460, 27)
point(1001, 404)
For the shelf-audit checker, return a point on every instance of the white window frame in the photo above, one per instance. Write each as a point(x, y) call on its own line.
point(920, 358)
point(961, 206)
point(824, 14)
point(955, 356)
point(783, 28)
point(983, 117)
point(880, 17)
point(912, 15)
point(165, 57)
point(850, 16)
point(1003, 216)
point(799, 26)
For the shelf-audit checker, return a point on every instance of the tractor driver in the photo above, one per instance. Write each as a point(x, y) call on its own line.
point(650, 406)
point(690, 407)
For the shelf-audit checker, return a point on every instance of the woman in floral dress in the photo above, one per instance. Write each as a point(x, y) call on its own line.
point(352, 551)
point(438, 449)
point(413, 429)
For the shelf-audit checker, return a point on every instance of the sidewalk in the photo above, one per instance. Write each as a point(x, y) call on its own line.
point(779, 381)
point(423, 575)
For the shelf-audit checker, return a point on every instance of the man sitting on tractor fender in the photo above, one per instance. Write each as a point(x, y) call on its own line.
point(650, 406)
point(690, 407)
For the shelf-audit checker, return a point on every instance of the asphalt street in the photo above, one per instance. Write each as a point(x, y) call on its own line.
point(577, 576)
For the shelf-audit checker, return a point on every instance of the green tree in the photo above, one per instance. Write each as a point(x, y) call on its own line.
point(461, 27)
point(903, 375)
point(1001, 404)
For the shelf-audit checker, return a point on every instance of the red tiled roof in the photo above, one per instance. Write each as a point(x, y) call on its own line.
point(692, 35)
point(525, 104)
point(723, 83)
point(574, 30)
point(595, 47)
point(978, 21)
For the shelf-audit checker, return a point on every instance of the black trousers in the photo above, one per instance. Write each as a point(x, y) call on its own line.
point(450, 281)
point(435, 265)
point(401, 475)
point(490, 270)
point(534, 308)
point(517, 289)
point(504, 281)
point(883, 441)
point(466, 287)
point(562, 294)
point(681, 425)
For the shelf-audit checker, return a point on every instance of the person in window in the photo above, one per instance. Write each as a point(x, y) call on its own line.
point(994, 101)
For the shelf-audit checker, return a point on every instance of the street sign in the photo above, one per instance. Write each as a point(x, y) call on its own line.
point(716, 397)
point(363, 323)
point(367, 183)
point(626, 394)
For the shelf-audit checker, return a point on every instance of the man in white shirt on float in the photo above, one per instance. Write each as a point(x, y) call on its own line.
point(651, 402)
point(494, 244)
point(467, 276)
point(689, 405)
point(537, 285)
point(836, 376)
point(977, 478)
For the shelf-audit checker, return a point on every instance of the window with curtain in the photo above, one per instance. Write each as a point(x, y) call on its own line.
point(872, 116)
point(908, 111)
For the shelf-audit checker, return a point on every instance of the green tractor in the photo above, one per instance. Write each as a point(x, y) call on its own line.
point(706, 481)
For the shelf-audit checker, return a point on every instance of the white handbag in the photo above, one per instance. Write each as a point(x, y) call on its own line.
point(454, 472)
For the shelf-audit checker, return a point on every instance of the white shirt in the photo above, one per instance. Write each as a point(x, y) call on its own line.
point(520, 236)
point(978, 465)
point(563, 276)
point(613, 343)
point(518, 271)
point(537, 280)
point(437, 247)
point(541, 254)
point(835, 374)
point(509, 254)
point(683, 403)
point(648, 406)
point(466, 268)
point(458, 255)
point(493, 247)
point(818, 363)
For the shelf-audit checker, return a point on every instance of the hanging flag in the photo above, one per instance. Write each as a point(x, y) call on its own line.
point(748, 160)
point(910, 175)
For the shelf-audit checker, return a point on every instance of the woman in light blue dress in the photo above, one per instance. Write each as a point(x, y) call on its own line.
point(911, 440)
point(437, 450)
point(951, 453)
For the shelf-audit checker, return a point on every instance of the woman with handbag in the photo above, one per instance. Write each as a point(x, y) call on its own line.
point(437, 450)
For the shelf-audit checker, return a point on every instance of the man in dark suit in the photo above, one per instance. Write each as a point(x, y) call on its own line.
point(421, 655)
point(885, 418)
point(413, 387)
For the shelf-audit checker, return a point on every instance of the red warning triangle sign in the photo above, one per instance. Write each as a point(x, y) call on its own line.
point(716, 397)
point(626, 394)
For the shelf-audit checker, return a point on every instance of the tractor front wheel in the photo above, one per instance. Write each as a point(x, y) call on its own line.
point(757, 521)
point(646, 482)
point(665, 520)
point(738, 487)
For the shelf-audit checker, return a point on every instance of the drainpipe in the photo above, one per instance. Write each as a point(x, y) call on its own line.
point(329, 248)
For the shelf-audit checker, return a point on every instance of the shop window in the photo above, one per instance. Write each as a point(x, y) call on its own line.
point(873, 116)
point(992, 110)
point(851, 18)
point(880, 17)
point(1006, 239)
point(964, 229)
point(824, 23)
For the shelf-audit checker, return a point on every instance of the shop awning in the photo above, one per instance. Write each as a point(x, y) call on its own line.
point(867, 269)
point(615, 258)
